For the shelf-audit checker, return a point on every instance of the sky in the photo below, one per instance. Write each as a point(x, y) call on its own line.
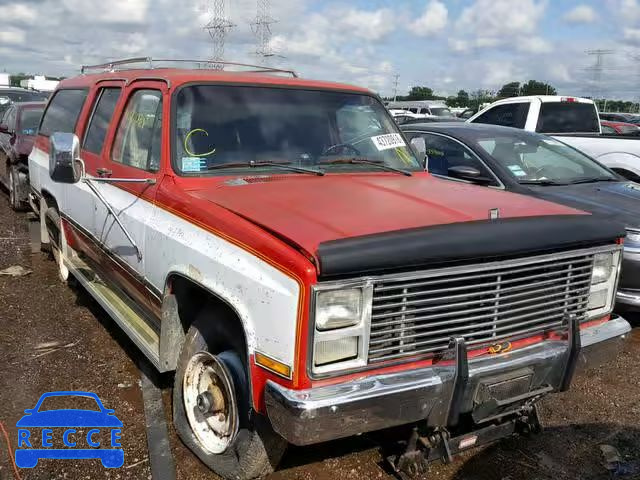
point(447, 45)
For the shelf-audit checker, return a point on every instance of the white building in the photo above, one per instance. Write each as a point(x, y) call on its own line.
point(4, 79)
point(39, 82)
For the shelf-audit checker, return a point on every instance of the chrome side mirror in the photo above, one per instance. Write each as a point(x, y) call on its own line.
point(419, 146)
point(65, 165)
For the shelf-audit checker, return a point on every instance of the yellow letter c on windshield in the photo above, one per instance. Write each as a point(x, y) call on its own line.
point(186, 144)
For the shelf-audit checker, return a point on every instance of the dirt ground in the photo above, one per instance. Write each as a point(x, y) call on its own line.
point(53, 337)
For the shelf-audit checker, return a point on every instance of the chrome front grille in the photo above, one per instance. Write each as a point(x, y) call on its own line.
point(486, 303)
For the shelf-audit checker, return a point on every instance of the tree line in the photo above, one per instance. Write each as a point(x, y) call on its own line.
point(476, 98)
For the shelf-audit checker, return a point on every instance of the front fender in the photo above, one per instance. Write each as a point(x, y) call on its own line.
point(621, 161)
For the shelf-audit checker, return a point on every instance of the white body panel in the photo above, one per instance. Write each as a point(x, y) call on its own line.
point(618, 153)
point(265, 298)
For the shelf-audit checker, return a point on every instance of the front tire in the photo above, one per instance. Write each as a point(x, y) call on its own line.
point(230, 438)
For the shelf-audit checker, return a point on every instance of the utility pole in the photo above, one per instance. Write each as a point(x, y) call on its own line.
point(597, 69)
point(261, 28)
point(396, 78)
point(218, 28)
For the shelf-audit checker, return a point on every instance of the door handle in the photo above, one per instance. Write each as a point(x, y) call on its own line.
point(104, 172)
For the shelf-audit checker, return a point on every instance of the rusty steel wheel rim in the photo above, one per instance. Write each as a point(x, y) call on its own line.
point(209, 402)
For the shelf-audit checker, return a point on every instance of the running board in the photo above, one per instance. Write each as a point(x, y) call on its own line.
point(129, 320)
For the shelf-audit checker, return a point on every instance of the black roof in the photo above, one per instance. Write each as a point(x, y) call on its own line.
point(465, 130)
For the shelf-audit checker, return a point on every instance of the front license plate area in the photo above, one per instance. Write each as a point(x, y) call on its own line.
point(503, 394)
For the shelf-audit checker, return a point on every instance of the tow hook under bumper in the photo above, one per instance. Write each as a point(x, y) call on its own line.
point(424, 447)
point(513, 415)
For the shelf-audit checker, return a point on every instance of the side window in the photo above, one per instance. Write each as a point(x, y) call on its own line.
point(138, 138)
point(424, 111)
point(101, 118)
point(63, 112)
point(507, 115)
point(608, 130)
point(445, 153)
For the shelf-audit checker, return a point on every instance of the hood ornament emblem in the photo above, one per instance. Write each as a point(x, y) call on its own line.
point(494, 214)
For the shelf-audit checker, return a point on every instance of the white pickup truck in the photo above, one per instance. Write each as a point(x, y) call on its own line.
point(572, 120)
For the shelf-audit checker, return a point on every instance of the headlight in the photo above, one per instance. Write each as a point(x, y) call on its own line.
point(604, 279)
point(338, 309)
point(602, 265)
point(341, 327)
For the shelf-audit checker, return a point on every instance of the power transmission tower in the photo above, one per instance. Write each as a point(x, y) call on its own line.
point(261, 28)
point(396, 78)
point(597, 69)
point(218, 28)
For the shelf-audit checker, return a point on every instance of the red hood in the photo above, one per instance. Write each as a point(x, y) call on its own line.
point(311, 210)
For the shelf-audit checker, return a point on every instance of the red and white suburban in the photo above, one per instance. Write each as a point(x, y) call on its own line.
point(277, 244)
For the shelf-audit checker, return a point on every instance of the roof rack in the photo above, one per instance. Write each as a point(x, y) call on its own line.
point(153, 63)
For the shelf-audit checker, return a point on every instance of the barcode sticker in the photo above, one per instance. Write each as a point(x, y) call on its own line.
point(388, 141)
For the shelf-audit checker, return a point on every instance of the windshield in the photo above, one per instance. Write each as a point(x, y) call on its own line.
point(29, 120)
point(219, 125)
point(539, 159)
point(441, 112)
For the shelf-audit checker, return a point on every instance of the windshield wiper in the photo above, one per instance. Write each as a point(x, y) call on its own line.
point(541, 182)
point(364, 161)
point(593, 180)
point(253, 164)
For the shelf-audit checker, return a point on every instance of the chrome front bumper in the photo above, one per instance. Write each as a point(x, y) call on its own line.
point(433, 394)
point(628, 296)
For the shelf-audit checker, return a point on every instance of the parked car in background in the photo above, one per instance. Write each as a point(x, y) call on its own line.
point(620, 117)
point(403, 116)
point(619, 128)
point(537, 165)
point(18, 128)
point(429, 119)
point(468, 113)
point(277, 244)
point(572, 120)
point(425, 107)
point(9, 95)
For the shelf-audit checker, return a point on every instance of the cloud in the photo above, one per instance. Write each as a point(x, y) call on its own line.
point(581, 14)
point(502, 18)
point(559, 72)
point(632, 35)
point(432, 21)
point(500, 23)
point(13, 36)
point(534, 45)
point(110, 11)
point(368, 25)
point(18, 12)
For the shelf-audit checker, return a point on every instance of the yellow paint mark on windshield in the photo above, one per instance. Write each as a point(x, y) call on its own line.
point(186, 144)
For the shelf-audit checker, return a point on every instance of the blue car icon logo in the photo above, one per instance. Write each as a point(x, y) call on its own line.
point(39, 429)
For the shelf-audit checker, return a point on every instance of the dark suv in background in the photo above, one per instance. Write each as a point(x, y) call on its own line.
point(18, 128)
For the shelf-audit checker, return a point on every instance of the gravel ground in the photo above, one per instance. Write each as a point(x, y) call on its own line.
point(53, 337)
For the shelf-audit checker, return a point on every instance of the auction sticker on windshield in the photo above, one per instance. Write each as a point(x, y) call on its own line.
point(388, 141)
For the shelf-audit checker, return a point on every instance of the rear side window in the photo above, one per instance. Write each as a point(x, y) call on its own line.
point(508, 115)
point(101, 118)
point(568, 117)
point(138, 139)
point(63, 112)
